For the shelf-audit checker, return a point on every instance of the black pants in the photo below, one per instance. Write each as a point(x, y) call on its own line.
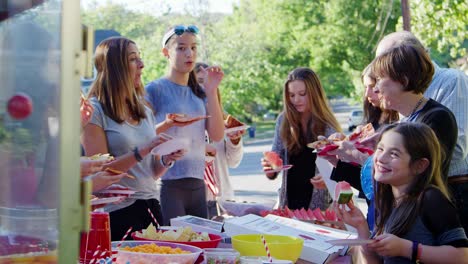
point(135, 216)
point(183, 197)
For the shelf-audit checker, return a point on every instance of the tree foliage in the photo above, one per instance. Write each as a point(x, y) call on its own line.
point(263, 40)
point(441, 24)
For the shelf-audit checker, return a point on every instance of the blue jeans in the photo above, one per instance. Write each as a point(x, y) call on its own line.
point(459, 193)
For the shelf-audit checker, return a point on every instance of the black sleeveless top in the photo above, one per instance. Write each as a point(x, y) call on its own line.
point(299, 188)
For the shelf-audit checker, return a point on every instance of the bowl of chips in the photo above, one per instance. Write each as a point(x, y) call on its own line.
point(155, 252)
point(182, 235)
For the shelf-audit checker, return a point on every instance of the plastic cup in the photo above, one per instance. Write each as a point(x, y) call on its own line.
point(98, 235)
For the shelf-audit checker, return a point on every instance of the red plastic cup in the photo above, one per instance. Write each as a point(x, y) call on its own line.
point(98, 235)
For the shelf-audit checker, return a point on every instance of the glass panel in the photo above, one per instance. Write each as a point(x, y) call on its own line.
point(29, 129)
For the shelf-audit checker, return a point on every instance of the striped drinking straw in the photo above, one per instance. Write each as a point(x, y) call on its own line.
point(267, 249)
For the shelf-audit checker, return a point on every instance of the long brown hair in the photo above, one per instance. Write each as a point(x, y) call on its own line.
point(321, 115)
point(372, 114)
point(114, 87)
point(420, 142)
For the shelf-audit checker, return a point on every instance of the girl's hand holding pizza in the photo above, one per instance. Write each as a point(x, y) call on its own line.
point(103, 179)
point(88, 166)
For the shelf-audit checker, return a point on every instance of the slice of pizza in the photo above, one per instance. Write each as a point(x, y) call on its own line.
point(100, 156)
point(179, 117)
point(361, 133)
point(116, 172)
point(230, 121)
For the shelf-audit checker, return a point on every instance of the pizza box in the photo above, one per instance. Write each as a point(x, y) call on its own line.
point(199, 224)
point(316, 249)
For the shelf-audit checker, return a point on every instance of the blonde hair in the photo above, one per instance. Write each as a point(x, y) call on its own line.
point(321, 114)
point(114, 87)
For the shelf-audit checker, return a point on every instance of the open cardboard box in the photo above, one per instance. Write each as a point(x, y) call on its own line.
point(199, 224)
point(315, 250)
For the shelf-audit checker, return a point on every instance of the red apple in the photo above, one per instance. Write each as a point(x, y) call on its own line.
point(20, 106)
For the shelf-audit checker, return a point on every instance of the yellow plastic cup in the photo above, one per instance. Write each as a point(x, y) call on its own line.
point(281, 247)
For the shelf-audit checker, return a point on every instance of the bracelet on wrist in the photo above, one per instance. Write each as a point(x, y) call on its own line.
point(137, 155)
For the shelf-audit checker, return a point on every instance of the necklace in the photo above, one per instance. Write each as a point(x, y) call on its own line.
point(417, 105)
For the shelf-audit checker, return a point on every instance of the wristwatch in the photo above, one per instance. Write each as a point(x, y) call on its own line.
point(167, 166)
point(137, 155)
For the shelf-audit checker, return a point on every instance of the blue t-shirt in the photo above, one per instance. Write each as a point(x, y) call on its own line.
point(167, 97)
point(122, 139)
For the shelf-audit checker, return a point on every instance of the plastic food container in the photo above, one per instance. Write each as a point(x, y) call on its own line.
point(212, 243)
point(281, 247)
point(124, 257)
point(221, 256)
point(240, 208)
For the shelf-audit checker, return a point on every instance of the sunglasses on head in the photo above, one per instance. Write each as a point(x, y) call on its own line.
point(179, 30)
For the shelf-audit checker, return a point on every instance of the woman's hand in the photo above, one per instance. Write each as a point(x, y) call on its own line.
point(354, 217)
point(348, 152)
point(318, 182)
point(266, 167)
point(177, 155)
point(214, 77)
point(86, 110)
point(389, 245)
point(103, 179)
point(235, 136)
point(210, 150)
point(88, 166)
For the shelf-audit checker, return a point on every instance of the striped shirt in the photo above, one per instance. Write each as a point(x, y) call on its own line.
point(450, 87)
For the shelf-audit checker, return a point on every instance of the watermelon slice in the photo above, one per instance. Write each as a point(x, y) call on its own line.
point(318, 214)
point(343, 192)
point(289, 213)
point(304, 214)
point(330, 215)
point(310, 214)
point(274, 159)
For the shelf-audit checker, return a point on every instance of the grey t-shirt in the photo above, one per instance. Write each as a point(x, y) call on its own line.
point(168, 97)
point(123, 138)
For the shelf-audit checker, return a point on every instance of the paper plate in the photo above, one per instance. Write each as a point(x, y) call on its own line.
point(123, 192)
point(350, 242)
point(186, 119)
point(171, 146)
point(107, 200)
point(285, 167)
point(235, 129)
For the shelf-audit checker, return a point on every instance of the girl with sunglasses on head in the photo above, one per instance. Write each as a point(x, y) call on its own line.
point(183, 187)
point(415, 220)
point(306, 115)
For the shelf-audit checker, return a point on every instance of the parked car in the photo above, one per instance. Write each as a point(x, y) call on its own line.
point(355, 119)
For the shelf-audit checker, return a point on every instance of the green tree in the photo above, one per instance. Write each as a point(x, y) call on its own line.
point(441, 25)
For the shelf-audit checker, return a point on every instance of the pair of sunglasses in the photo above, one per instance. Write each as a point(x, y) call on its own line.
point(179, 30)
